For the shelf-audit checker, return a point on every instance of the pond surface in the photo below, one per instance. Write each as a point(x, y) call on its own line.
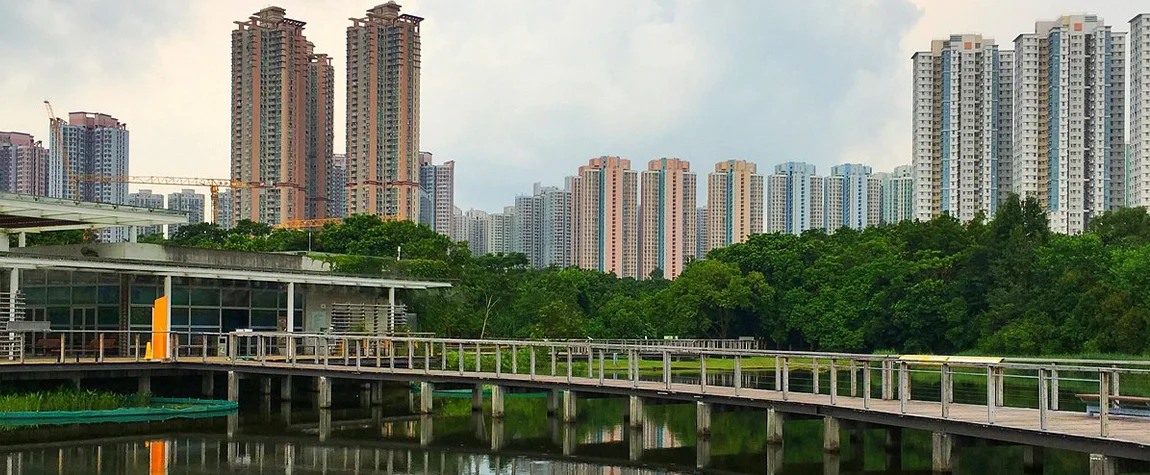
point(270, 436)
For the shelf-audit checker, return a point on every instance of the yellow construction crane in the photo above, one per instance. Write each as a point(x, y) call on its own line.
point(306, 223)
point(56, 130)
point(213, 184)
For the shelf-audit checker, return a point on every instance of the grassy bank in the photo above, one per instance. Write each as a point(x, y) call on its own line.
point(71, 400)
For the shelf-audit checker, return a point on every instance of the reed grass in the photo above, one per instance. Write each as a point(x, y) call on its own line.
point(71, 400)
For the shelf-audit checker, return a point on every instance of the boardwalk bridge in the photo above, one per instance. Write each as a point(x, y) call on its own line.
point(1035, 402)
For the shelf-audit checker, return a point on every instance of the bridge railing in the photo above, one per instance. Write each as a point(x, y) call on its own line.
point(906, 384)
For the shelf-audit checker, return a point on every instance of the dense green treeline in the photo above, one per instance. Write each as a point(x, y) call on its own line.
point(1006, 285)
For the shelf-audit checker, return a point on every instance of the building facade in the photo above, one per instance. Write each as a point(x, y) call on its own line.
point(188, 201)
point(543, 226)
point(1138, 169)
point(147, 199)
point(383, 70)
point(667, 218)
point(794, 199)
point(225, 210)
point(734, 203)
point(436, 193)
point(857, 201)
point(282, 114)
point(337, 187)
point(605, 217)
point(95, 144)
point(702, 232)
point(1069, 131)
point(962, 126)
point(897, 195)
point(23, 164)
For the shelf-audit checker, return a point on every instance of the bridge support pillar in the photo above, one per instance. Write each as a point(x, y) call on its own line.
point(143, 384)
point(497, 402)
point(553, 402)
point(208, 385)
point(324, 396)
point(426, 397)
point(774, 426)
point(285, 388)
point(233, 386)
point(265, 385)
point(477, 398)
point(831, 441)
point(1032, 459)
point(703, 418)
point(1102, 465)
point(943, 447)
point(569, 413)
point(635, 412)
point(635, 444)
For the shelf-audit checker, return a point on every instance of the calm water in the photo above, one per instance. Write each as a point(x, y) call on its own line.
point(353, 438)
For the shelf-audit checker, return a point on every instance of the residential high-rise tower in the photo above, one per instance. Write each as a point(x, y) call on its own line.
point(667, 218)
point(734, 203)
point(188, 201)
point(794, 199)
point(383, 50)
point(543, 226)
point(1138, 172)
point(436, 193)
point(23, 164)
point(605, 217)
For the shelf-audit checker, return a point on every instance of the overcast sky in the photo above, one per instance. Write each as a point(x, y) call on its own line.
point(519, 91)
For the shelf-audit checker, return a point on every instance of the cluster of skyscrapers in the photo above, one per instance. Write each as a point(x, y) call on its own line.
point(1044, 120)
point(283, 110)
point(638, 224)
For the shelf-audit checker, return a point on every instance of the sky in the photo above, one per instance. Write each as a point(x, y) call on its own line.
point(524, 91)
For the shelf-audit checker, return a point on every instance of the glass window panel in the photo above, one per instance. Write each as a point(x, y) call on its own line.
point(180, 316)
point(108, 317)
point(35, 295)
point(265, 299)
point(59, 277)
point(179, 295)
point(33, 277)
point(206, 317)
point(264, 319)
point(109, 294)
point(61, 317)
point(143, 295)
point(109, 278)
point(141, 316)
point(84, 277)
point(59, 295)
point(205, 297)
point(235, 297)
point(146, 280)
point(84, 294)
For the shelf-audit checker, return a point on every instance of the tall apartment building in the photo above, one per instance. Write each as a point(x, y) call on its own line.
point(475, 229)
point(605, 217)
point(383, 64)
point(962, 117)
point(667, 217)
point(225, 210)
point(853, 197)
point(543, 226)
point(501, 231)
point(436, 193)
point(897, 195)
point(188, 201)
point(282, 114)
point(1069, 121)
point(1138, 170)
point(94, 143)
point(702, 233)
point(23, 164)
point(337, 187)
point(734, 203)
point(794, 199)
point(147, 199)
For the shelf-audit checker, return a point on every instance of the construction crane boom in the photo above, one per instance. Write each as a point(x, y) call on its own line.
point(213, 184)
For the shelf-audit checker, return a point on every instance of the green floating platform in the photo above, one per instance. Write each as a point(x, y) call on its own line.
point(161, 409)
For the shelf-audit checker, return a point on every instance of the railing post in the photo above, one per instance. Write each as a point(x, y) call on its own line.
point(866, 383)
point(478, 358)
point(601, 377)
point(945, 390)
point(498, 361)
point(100, 345)
point(514, 359)
point(738, 373)
point(815, 373)
point(1114, 379)
point(903, 385)
point(204, 349)
point(786, 377)
point(999, 386)
point(990, 397)
point(667, 369)
point(633, 361)
point(358, 351)
point(427, 349)
point(1043, 400)
point(1104, 402)
point(443, 358)
point(532, 362)
point(462, 356)
point(410, 355)
point(391, 354)
point(590, 361)
point(138, 346)
point(702, 372)
point(63, 344)
point(1054, 387)
point(569, 369)
point(554, 363)
point(778, 375)
point(630, 365)
point(854, 379)
point(834, 383)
